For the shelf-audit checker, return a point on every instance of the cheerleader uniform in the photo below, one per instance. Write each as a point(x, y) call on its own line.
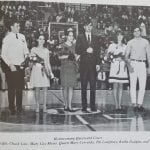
point(118, 70)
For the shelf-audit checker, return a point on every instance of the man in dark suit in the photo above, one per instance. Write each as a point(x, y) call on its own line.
point(87, 48)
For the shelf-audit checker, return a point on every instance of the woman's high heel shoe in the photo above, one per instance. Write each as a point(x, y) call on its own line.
point(69, 110)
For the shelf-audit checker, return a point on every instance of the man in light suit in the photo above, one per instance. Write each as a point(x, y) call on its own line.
point(137, 53)
point(14, 52)
point(87, 49)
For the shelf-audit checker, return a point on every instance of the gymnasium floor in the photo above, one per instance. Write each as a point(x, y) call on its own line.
point(105, 119)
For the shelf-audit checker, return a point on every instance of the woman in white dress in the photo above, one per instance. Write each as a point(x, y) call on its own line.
point(118, 70)
point(41, 73)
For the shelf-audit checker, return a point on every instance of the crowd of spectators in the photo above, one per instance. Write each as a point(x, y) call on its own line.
point(106, 18)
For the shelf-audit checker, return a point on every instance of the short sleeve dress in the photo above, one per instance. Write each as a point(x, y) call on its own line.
point(68, 71)
point(39, 78)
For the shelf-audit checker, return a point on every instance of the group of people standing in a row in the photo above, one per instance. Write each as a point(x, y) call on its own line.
point(85, 50)
point(129, 64)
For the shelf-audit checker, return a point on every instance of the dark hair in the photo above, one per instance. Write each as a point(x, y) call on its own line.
point(87, 21)
point(45, 44)
point(68, 31)
point(124, 40)
point(11, 22)
point(135, 27)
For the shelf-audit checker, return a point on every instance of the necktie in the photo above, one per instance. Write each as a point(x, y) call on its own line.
point(89, 38)
point(16, 36)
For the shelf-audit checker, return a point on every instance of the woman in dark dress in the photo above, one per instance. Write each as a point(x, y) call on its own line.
point(68, 72)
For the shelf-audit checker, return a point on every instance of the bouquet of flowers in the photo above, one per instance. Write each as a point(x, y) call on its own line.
point(65, 51)
point(112, 56)
point(71, 56)
point(32, 60)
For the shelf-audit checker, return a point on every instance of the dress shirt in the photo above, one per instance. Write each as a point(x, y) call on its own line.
point(14, 50)
point(138, 49)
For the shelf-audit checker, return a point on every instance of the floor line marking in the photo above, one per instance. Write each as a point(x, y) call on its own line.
point(35, 125)
point(83, 121)
point(59, 99)
point(112, 118)
point(118, 114)
point(123, 118)
point(108, 117)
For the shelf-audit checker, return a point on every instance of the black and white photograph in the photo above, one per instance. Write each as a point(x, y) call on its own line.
point(74, 68)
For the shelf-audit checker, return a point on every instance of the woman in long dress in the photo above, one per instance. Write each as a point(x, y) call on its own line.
point(118, 70)
point(41, 72)
point(68, 72)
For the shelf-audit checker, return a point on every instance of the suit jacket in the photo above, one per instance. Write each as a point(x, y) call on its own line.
point(81, 47)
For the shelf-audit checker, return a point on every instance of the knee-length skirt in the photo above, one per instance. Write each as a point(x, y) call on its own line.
point(118, 72)
point(38, 78)
point(68, 74)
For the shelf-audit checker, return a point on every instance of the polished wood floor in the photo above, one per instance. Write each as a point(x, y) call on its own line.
point(105, 119)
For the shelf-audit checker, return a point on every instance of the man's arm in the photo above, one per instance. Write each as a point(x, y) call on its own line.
point(5, 47)
point(4, 55)
point(25, 49)
point(148, 53)
point(97, 53)
point(127, 52)
point(148, 56)
point(127, 57)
